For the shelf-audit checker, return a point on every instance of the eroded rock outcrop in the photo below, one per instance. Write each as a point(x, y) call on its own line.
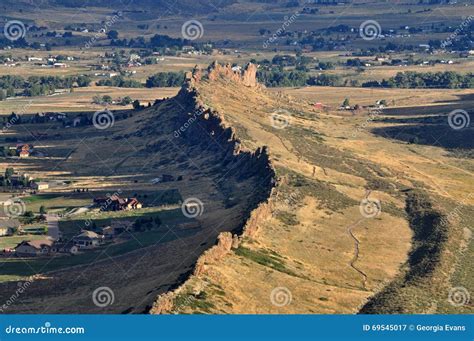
point(212, 132)
point(246, 76)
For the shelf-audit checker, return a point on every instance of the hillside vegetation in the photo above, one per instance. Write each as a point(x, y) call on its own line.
point(318, 247)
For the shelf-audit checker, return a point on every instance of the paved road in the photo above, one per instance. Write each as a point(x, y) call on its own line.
point(53, 226)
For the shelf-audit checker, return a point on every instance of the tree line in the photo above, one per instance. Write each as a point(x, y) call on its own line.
point(157, 80)
point(38, 85)
point(413, 79)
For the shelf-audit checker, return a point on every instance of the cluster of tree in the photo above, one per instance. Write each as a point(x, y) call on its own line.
point(36, 85)
point(165, 79)
point(7, 178)
point(325, 80)
point(120, 82)
point(296, 78)
point(20, 43)
point(282, 78)
point(158, 80)
point(158, 40)
point(325, 66)
point(356, 62)
point(106, 99)
point(299, 61)
point(411, 79)
point(5, 152)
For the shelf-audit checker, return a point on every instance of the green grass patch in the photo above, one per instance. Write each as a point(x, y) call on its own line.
point(197, 302)
point(265, 258)
point(287, 218)
point(73, 226)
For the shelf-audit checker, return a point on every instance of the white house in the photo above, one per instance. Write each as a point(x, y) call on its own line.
point(40, 185)
point(88, 240)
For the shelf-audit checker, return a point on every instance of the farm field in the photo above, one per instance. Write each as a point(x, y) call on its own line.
point(81, 100)
point(334, 96)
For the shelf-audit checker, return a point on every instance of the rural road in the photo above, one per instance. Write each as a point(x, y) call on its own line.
point(53, 226)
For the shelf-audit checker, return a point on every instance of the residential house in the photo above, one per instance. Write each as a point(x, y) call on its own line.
point(23, 148)
point(40, 185)
point(115, 203)
point(24, 154)
point(88, 240)
point(133, 204)
point(68, 247)
point(108, 232)
point(34, 248)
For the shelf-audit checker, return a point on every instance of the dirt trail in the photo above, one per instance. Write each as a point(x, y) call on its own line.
point(356, 251)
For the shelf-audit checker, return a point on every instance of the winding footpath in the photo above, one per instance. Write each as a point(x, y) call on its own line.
point(356, 251)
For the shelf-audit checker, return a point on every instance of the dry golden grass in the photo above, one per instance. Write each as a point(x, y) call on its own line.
point(81, 100)
point(317, 249)
point(334, 96)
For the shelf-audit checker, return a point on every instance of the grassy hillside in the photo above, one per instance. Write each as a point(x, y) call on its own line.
point(324, 249)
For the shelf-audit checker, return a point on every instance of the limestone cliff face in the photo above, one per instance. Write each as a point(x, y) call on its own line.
point(209, 130)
